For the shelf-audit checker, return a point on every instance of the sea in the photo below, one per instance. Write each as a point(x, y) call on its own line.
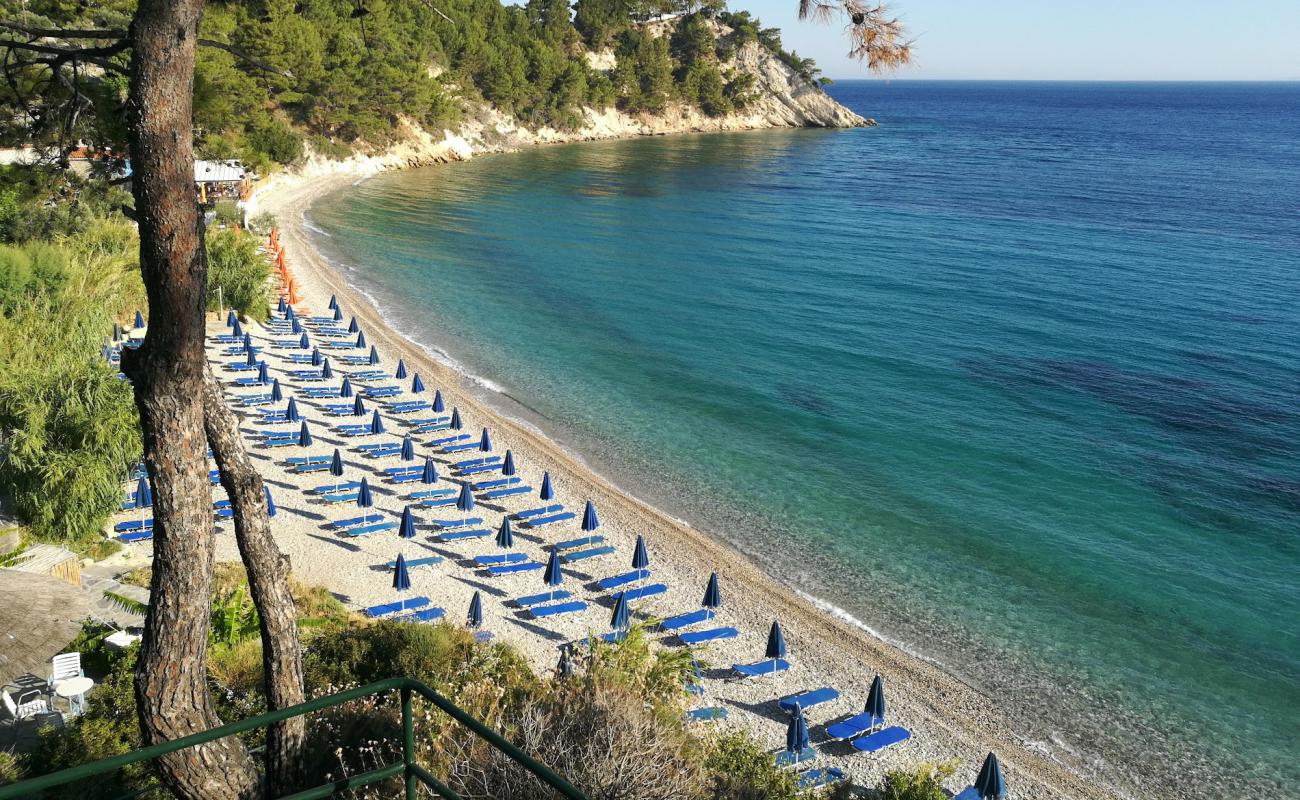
point(1011, 380)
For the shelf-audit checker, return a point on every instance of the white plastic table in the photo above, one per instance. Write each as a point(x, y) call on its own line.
point(74, 691)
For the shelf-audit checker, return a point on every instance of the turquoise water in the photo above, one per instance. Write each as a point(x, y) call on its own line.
point(1013, 379)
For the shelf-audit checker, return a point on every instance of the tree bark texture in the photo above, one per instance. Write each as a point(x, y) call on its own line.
point(268, 580)
point(171, 687)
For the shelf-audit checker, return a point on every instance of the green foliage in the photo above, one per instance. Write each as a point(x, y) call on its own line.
point(923, 781)
point(238, 271)
point(233, 618)
point(9, 770)
point(742, 770)
point(226, 213)
point(657, 675)
point(599, 21)
point(643, 76)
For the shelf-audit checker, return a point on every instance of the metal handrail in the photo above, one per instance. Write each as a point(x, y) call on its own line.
point(412, 772)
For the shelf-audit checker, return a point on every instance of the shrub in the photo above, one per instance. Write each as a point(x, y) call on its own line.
point(923, 781)
point(9, 771)
point(262, 223)
point(237, 273)
point(227, 214)
point(742, 770)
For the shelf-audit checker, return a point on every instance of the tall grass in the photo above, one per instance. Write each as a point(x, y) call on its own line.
point(239, 272)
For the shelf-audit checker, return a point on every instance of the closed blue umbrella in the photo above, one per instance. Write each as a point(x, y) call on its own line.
point(291, 411)
point(364, 498)
point(640, 558)
point(230, 319)
point(143, 494)
point(437, 399)
point(304, 435)
point(775, 644)
point(316, 358)
point(989, 783)
point(465, 500)
point(280, 305)
point(621, 619)
point(139, 319)
point(455, 419)
point(345, 389)
point(401, 578)
point(250, 358)
point(236, 329)
point(876, 701)
point(589, 520)
point(117, 329)
point(547, 492)
point(796, 733)
point(336, 465)
point(508, 464)
point(417, 385)
point(376, 424)
point(263, 373)
point(400, 374)
point(361, 341)
point(408, 448)
point(407, 528)
point(295, 326)
point(374, 355)
point(505, 536)
point(484, 442)
point(474, 619)
point(248, 343)
point(289, 313)
point(338, 315)
point(303, 342)
point(353, 327)
point(712, 595)
point(326, 371)
point(270, 503)
point(430, 475)
point(553, 576)
point(334, 303)
point(358, 407)
point(276, 394)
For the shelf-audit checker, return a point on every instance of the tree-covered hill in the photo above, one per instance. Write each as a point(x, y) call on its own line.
point(343, 73)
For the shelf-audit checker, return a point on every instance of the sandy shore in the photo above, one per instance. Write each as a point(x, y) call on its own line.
point(948, 719)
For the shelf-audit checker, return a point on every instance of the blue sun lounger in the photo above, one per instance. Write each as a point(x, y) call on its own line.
point(134, 525)
point(425, 615)
point(575, 544)
point(821, 776)
point(761, 669)
point(694, 638)
point(352, 430)
point(299, 358)
point(544, 597)
point(460, 437)
point(408, 408)
point(499, 558)
point(640, 592)
point(226, 338)
point(557, 609)
point(537, 522)
point(458, 448)
point(352, 522)
point(135, 536)
point(318, 392)
point(613, 637)
point(510, 569)
point(684, 620)
point(785, 758)
point(322, 466)
point(367, 375)
point(853, 727)
point(427, 494)
point(497, 494)
point(366, 530)
point(427, 427)
point(370, 447)
point(494, 484)
point(479, 469)
point(615, 581)
point(354, 360)
point(407, 470)
point(412, 563)
point(476, 462)
point(807, 700)
point(409, 477)
point(335, 488)
point(534, 512)
point(296, 460)
point(437, 502)
point(706, 714)
point(345, 497)
point(881, 739)
point(249, 382)
point(452, 524)
point(338, 409)
point(583, 555)
point(280, 442)
point(334, 345)
point(384, 609)
point(969, 793)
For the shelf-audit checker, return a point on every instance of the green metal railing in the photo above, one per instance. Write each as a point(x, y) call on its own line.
point(413, 773)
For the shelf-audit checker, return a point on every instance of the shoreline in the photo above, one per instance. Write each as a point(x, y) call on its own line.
point(948, 717)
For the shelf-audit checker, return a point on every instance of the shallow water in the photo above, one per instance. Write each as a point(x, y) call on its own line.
point(1012, 379)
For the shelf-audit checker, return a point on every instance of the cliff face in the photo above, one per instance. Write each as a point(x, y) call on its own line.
point(783, 100)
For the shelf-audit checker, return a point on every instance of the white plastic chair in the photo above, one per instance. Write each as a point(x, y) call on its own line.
point(63, 667)
point(30, 703)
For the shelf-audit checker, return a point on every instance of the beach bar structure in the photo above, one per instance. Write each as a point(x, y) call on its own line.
point(220, 179)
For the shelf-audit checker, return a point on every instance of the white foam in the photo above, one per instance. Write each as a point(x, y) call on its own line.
point(306, 223)
point(844, 616)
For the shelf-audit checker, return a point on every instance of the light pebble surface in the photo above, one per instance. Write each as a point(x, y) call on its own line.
point(948, 718)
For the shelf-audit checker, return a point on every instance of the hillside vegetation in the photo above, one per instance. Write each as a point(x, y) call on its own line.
point(341, 74)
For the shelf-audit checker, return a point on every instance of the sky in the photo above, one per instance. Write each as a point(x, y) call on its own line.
point(1067, 39)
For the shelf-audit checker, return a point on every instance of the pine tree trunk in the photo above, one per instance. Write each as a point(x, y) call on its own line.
point(171, 687)
point(268, 579)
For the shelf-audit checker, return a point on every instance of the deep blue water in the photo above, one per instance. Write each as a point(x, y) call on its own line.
point(1012, 378)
